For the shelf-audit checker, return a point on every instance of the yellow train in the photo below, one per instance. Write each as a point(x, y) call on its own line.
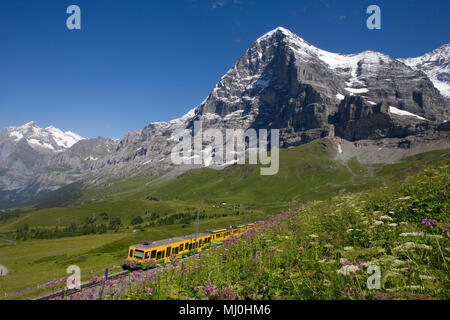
point(148, 254)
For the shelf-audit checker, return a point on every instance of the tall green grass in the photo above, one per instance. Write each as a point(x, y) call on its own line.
point(323, 250)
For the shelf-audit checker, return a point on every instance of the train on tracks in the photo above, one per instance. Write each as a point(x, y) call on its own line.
point(146, 255)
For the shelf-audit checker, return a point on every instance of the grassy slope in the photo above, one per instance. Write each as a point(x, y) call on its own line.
point(324, 250)
point(306, 173)
point(35, 262)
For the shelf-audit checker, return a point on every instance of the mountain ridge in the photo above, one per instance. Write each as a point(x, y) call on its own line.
point(281, 82)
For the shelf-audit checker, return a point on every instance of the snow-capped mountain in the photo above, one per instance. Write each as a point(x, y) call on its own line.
point(49, 139)
point(281, 82)
point(436, 66)
point(35, 160)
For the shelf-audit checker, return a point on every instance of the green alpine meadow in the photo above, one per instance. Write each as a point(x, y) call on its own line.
point(319, 245)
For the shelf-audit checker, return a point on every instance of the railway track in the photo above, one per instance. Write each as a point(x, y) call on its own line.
point(89, 284)
point(84, 285)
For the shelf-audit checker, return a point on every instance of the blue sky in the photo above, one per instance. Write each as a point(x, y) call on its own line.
point(138, 61)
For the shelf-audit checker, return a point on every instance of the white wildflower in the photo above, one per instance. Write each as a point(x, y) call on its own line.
point(398, 262)
point(377, 222)
point(435, 236)
point(392, 224)
point(401, 269)
point(411, 234)
point(405, 246)
point(385, 218)
point(413, 287)
point(349, 248)
point(412, 245)
point(348, 269)
point(424, 246)
point(424, 277)
point(313, 235)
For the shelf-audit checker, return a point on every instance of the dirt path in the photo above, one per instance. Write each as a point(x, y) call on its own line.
point(3, 270)
point(8, 241)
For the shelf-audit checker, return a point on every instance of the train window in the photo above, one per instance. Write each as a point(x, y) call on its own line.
point(147, 254)
point(181, 247)
point(168, 251)
point(176, 250)
point(159, 255)
point(131, 253)
point(138, 254)
point(153, 255)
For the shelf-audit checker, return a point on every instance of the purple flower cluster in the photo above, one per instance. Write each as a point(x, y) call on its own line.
point(429, 223)
point(98, 279)
point(228, 293)
point(231, 241)
point(209, 288)
point(359, 263)
point(349, 292)
point(129, 263)
point(52, 284)
point(345, 262)
point(174, 260)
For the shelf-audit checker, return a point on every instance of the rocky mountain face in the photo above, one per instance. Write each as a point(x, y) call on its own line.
point(34, 160)
point(280, 82)
point(436, 66)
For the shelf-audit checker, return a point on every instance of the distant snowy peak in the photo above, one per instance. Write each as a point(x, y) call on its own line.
point(51, 138)
point(436, 65)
